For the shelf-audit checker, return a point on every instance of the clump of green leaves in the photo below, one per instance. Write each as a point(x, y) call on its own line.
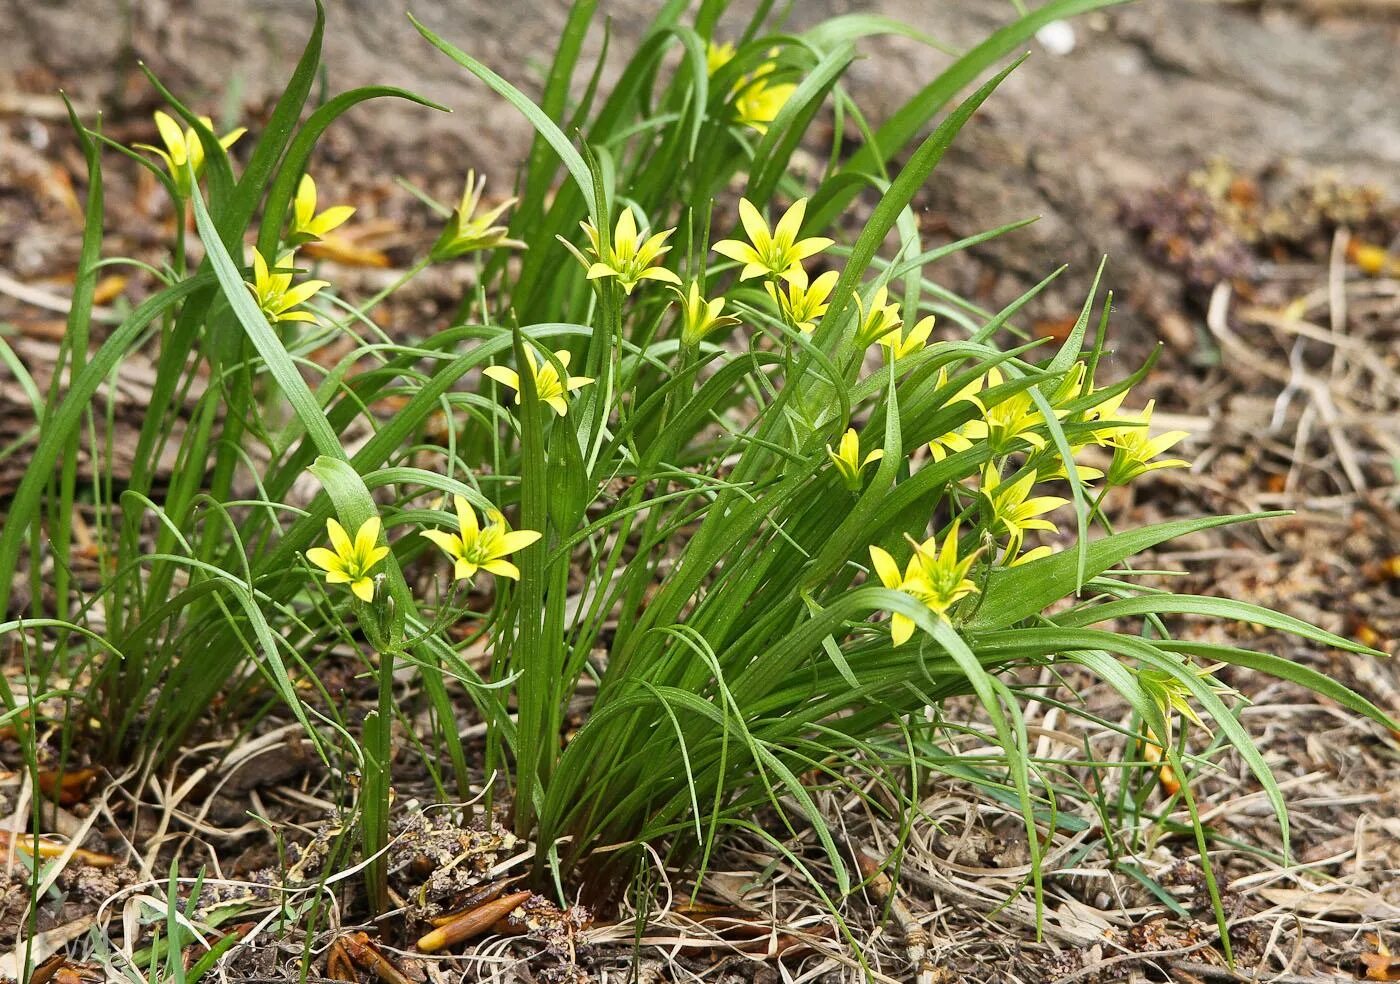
point(750, 489)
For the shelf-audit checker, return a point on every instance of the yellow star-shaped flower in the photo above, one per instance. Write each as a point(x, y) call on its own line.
point(307, 226)
point(633, 256)
point(476, 548)
point(275, 294)
point(350, 561)
point(548, 386)
point(777, 252)
point(182, 146)
point(802, 303)
point(849, 464)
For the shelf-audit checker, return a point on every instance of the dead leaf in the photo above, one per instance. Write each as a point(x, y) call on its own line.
point(347, 252)
point(45, 945)
point(52, 849)
point(108, 289)
point(1362, 905)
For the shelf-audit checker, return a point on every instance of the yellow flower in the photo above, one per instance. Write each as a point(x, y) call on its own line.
point(1036, 553)
point(350, 562)
point(757, 102)
point(935, 577)
point(474, 548)
point(1074, 384)
point(778, 252)
point(1049, 465)
point(757, 99)
point(1372, 260)
point(945, 575)
point(1012, 512)
point(700, 317)
point(275, 294)
point(632, 257)
point(548, 386)
point(878, 322)
point(950, 443)
point(954, 440)
point(1003, 422)
point(307, 226)
point(184, 146)
point(897, 346)
point(1047, 462)
point(848, 461)
point(801, 305)
point(467, 232)
point(1134, 447)
point(717, 56)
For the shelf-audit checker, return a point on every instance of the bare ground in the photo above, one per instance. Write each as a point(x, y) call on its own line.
point(1236, 160)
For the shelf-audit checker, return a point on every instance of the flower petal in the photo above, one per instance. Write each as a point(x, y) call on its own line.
point(515, 540)
point(448, 542)
point(367, 536)
point(901, 628)
point(502, 568)
point(625, 233)
point(375, 556)
point(303, 292)
point(754, 226)
point(811, 247)
point(659, 273)
point(503, 375)
point(463, 569)
point(736, 250)
point(364, 589)
point(304, 206)
point(791, 223)
point(323, 558)
point(172, 136)
point(334, 216)
point(340, 540)
point(466, 518)
point(886, 568)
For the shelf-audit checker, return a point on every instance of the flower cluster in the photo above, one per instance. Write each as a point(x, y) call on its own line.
point(1006, 414)
point(471, 549)
point(1013, 428)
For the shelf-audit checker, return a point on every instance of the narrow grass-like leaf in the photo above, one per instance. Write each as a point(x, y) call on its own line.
point(1017, 593)
point(543, 125)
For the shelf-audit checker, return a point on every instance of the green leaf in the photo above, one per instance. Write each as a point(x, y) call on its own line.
point(1226, 608)
point(274, 354)
point(1285, 669)
point(1017, 593)
point(901, 192)
point(63, 421)
point(543, 125)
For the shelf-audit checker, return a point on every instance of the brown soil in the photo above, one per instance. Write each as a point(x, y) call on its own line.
point(1237, 160)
